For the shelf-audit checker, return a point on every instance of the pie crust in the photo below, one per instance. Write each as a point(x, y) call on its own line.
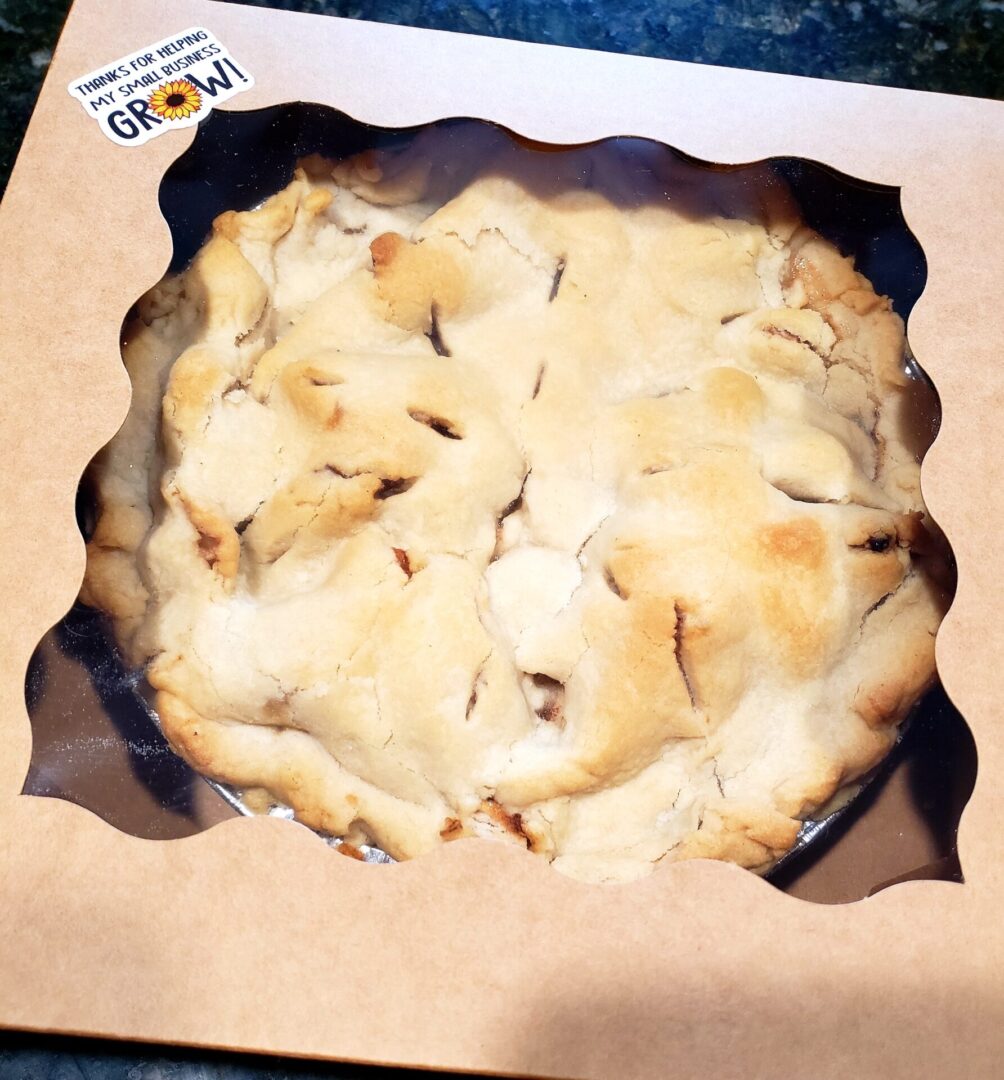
point(567, 497)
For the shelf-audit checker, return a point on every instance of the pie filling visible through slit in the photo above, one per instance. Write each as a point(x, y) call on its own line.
point(568, 498)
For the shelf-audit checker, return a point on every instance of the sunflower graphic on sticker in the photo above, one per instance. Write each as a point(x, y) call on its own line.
point(176, 100)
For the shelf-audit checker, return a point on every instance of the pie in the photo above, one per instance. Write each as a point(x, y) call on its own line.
point(471, 488)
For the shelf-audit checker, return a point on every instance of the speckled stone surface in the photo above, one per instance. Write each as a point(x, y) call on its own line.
point(953, 46)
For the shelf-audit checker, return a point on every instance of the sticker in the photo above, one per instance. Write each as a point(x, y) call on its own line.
point(173, 83)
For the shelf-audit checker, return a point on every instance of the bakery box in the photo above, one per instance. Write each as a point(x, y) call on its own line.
point(516, 487)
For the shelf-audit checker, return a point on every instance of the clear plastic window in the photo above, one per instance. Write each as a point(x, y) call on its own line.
point(687, 387)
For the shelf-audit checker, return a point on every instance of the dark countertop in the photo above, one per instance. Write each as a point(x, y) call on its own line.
point(953, 46)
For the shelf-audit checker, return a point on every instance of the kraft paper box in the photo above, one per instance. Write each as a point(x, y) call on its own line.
point(253, 934)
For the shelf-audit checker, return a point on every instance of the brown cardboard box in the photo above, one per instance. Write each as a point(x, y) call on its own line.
point(252, 935)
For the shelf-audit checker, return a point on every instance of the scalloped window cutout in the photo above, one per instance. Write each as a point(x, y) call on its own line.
point(95, 728)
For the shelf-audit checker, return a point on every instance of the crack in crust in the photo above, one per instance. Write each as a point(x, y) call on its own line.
point(678, 635)
point(539, 382)
point(435, 334)
point(885, 598)
point(556, 281)
point(612, 584)
point(394, 485)
point(436, 424)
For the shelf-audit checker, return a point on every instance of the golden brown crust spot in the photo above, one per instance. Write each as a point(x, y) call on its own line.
point(453, 829)
point(351, 851)
point(196, 383)
point(217, 542)
point(509, 822)
point(227, 290)
point(800, 543)
point(384, 249)
point(412, 279)
point(746, 835)
point(735, 397)
point(311, 511)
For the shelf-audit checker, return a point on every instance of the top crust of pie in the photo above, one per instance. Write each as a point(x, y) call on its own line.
point(571, 498)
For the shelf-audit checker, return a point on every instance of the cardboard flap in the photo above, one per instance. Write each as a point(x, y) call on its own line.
point(480, 957)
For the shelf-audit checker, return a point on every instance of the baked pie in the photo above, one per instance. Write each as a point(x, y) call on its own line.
point(568, 497)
